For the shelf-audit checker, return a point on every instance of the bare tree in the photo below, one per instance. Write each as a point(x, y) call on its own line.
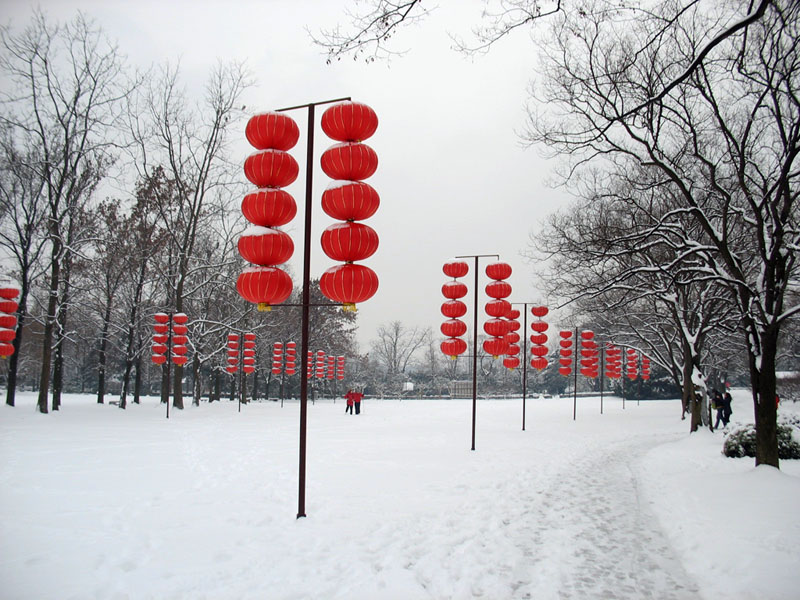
point(22, 234)
point(65, 86)
point(191, 142)
point(395, 347)
point(724, 143)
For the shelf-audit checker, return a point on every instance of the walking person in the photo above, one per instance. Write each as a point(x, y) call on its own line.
point(718, 403)
point(357, 397)
point(349, 397)
point(727, 399)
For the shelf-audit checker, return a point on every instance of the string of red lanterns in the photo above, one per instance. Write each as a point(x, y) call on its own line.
point(613, 367)
point(511, 361)
point(8, 320)
point(565, 353)
point(453, 328)
point(538, 338)
point(497, 326)
point(277, 358)
point(632, 366)
point(350, 200)
point(291, 358)
point(645, 368)
point(267, 208)
point(589, 355)
point(233, 353)
point(163, 338)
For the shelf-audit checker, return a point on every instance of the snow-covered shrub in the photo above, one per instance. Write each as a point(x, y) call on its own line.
point(740, 441)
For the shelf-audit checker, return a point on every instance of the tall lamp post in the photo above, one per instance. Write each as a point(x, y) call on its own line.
point(475, 339)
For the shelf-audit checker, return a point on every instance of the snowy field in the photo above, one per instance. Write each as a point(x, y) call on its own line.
point(101, 503)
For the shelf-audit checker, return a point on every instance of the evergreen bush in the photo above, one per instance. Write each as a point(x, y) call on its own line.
point(740, 441)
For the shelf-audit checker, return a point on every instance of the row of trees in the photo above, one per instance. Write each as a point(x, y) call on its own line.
point(678, 127)
point(78, 124)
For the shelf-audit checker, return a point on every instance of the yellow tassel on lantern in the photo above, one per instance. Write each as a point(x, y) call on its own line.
point(263, 307)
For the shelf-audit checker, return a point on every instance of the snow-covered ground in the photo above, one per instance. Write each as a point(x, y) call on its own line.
point(96, 502)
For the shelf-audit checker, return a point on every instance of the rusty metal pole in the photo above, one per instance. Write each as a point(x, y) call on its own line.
point(475, 341)
point(575, 387)
point(306, 300)
point(524, 360)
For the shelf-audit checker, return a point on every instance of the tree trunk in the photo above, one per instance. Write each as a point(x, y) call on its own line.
point(763, 384)
point(196, 387)
point(49, 325)
point(216, 392)
point(101, 367)
point(137, 382)
point(61, 333)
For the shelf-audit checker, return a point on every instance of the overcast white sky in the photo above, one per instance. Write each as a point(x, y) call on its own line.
point(453, 177)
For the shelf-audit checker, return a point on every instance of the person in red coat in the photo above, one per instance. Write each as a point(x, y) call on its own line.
point(357, 396)
point(349, 397)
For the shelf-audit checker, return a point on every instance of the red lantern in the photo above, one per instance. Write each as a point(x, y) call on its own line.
point(538, 338)
point(587, 335)
point(250, 337)
point(349, 284)
point(498, 271)
point(498, 289)
point(179, 360)
point(539, 363)
point(513, 325)
point(539, 326)
point(160, 338)
point(454, 290)
point(495, 346)
point(159, 359)
point(497, 308)
point(539, 311)
point(161, 318)
point(271, 168)
point(180, 329)
point(565, 343)
point(349, 121)
point(565, 362)
point(265, 246)
point(539, 350)
point(269, 207)
point(231, 369)
point(272, 130)
point(511, 362)
point(349, 241)
point(350, 200)
point(453, 328)
point(455, 268)
point(496, 327)
point(565, 334)
point(8, 321)
point(513, 314)
point(248, 369)
point(264, 286)
point(565, 371)
point(512, 337)
point(565, 352)
point(588, 372)
point(452, 309)
point(8, 293)
point(159, 328)
point(8, 306)
point(159, 348)
point(512, 349)
point(350, 161)
point(180, 340)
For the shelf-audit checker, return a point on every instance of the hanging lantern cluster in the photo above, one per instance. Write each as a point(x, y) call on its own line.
point(645, 368)
point(233, 353)
point(309, 365)
point(565, 353)
point(277, 358)
point(349, 200)
point(330, 372)
point(497, 326)
point(613, 361)
point(340, 368)
point(632, 366)
point(320, 367)
point(511, 361)
point(249, 353)
point(8, 320)
point(267, 208)
point(590, 359)
point(453, 328)
point(163, 338)
point(291, 358)
point(539, 350)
